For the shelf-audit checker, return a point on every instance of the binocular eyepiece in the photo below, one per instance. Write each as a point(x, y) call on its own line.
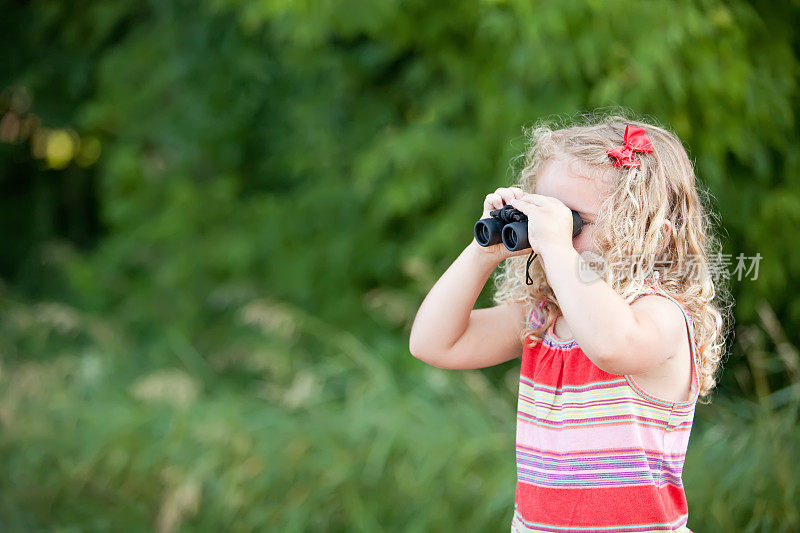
point(510, 226)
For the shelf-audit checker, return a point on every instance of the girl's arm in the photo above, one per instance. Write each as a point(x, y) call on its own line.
point(618, 337)
point(448, 333)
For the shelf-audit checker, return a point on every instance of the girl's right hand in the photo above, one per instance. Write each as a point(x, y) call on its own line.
point(497, 200)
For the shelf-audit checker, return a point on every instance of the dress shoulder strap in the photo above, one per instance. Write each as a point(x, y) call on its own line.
point(653, 286)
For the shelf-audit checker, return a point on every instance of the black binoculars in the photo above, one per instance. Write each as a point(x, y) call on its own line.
point(511, 226)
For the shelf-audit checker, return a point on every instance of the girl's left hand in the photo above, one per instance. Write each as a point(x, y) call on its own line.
point(549, 221)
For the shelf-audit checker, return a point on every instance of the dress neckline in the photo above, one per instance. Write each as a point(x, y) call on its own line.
point(552, 332)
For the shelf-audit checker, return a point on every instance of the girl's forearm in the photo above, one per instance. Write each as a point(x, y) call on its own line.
point(444, 313)
point(592, 309)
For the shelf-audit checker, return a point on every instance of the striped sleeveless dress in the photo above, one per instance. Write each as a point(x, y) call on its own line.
point(594, 451)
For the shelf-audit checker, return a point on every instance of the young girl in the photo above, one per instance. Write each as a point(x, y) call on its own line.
point(612, 363)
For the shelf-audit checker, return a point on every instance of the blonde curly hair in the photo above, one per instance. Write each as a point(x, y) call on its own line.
point(628, 228)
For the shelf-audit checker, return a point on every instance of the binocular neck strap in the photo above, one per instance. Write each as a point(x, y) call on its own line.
point(528, 279)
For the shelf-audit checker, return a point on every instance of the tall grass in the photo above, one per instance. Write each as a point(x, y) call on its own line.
point(322, 434)
point(297, 426)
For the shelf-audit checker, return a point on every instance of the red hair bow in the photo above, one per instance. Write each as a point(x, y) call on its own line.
point(636, 140)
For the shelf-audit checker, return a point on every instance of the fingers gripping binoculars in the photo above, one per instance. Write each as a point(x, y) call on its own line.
point(510, 226)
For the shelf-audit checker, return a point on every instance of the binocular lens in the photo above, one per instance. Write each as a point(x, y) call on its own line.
point(510, 240)
point(484, 233)
point(515, 236)
point(488, 231)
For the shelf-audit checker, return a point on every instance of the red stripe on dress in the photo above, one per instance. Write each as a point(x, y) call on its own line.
point(613, 506)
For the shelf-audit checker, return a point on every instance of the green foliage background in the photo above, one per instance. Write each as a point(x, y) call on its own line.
point(205, 326)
